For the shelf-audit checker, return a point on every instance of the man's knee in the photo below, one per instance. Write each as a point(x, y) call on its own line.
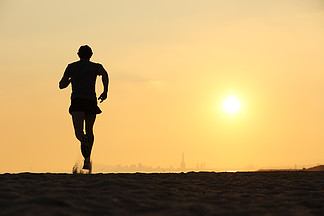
point(78, 134)
point(89, 132)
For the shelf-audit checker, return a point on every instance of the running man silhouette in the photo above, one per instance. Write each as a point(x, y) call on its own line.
point(82, 75)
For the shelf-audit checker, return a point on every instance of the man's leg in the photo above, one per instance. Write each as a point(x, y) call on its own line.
point(78, 119)
point(78, 122)
point(89, 122)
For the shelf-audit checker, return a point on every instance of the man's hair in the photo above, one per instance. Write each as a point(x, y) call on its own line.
point(85, 52)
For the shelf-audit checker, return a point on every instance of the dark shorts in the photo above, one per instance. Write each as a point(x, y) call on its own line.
point(84, 105)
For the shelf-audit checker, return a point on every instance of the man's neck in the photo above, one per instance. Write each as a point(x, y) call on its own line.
point(84, 59)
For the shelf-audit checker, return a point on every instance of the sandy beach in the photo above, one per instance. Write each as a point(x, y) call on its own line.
point(251, 193)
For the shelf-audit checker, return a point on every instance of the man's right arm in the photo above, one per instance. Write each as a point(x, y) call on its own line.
point(66, 79)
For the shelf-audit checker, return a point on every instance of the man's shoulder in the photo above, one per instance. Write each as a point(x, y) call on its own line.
point(73, 63)
point(87, 64)
point(95, 63)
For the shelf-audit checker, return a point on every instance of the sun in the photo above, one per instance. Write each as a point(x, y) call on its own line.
point(231, 105)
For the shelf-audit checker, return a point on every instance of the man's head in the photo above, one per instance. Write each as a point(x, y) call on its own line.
point(85, 52)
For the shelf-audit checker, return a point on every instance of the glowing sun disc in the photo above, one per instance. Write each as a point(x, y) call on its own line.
point(231, 105)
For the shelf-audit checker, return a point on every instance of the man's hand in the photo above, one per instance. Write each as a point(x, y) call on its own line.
point(103, 97)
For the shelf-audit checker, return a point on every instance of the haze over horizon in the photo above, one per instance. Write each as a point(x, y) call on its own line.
point(172, 64)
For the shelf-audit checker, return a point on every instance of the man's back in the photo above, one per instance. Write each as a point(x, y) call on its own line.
point(83, 78)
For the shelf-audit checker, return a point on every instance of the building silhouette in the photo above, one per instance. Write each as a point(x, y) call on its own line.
point(183, 164)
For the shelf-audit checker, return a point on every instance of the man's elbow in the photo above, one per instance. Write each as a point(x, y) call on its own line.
point(105, 75)
point(62, 86)
point(64, 83)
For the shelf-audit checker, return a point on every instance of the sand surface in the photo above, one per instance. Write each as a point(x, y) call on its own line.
point(255, 193)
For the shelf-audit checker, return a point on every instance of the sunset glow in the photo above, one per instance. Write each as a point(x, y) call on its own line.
point(231, 105)
point(235, 84)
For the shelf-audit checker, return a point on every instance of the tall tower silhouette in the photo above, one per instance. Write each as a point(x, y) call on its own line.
point(183, 164)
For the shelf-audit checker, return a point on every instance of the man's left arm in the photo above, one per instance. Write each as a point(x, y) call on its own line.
point(105, 82)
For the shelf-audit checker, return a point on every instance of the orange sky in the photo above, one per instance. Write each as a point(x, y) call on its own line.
point(171, 63)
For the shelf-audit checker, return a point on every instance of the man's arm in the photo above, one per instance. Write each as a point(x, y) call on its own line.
point(66, 79)
point(105, 82)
